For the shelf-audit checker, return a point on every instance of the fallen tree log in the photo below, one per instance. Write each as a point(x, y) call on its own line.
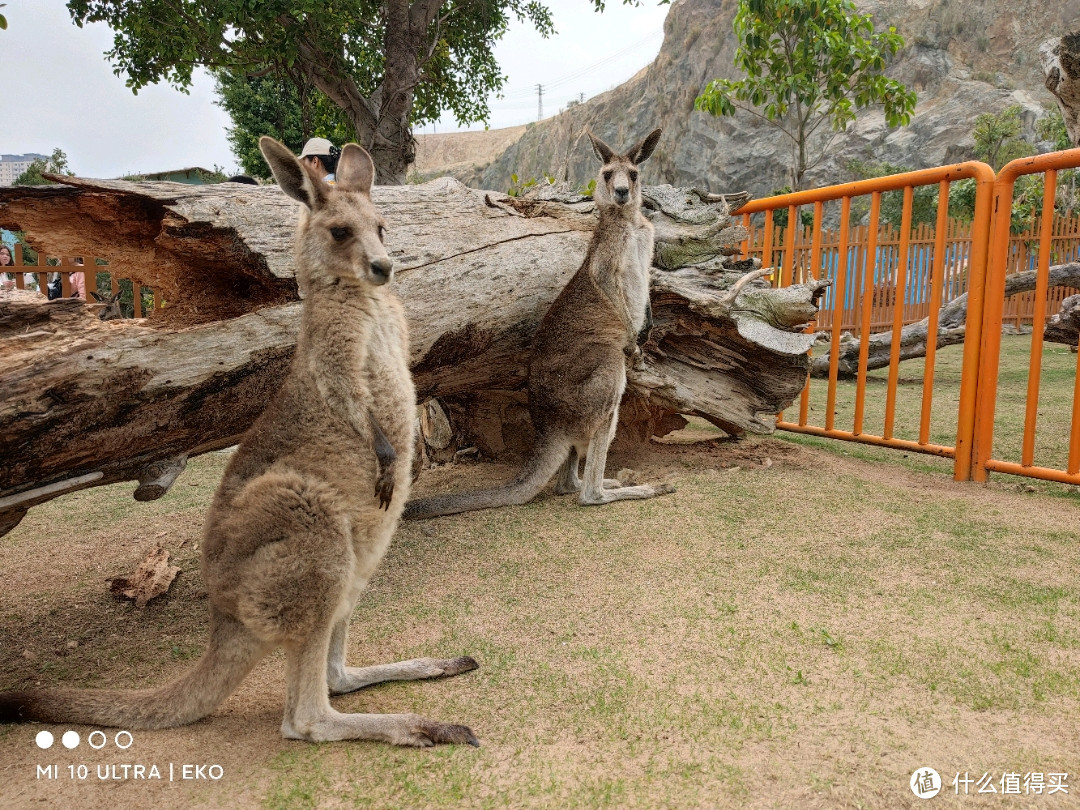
point(85, 402)
point(1064, 327)
point(951, 327)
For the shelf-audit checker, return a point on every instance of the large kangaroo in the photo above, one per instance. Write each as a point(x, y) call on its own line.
point(577, 372)
point(309, 501)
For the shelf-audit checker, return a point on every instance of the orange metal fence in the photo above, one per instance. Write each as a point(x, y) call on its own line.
point(879, 285)
point(915, 299)
point(76, 280)
point(810, 265)
point(1000, 257)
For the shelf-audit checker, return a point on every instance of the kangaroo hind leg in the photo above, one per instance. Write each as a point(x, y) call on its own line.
point(309, 715)
point(596, 489)
point(568, 482)
point(342, 679)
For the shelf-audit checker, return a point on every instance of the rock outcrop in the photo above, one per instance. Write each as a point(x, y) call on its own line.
point(963, 57)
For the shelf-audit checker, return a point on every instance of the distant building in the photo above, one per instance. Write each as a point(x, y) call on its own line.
point(11, 166)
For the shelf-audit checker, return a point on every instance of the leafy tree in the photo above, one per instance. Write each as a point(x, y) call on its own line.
point(387, 64)
point(997, 137)
point(809, 63)
point(1051, 127)
point(3, 19)
point(56, 163)
point(283, 106)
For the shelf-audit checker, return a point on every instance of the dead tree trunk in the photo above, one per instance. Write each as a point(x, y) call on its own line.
point(952, 318)
point(1060, 59)
point(85, 402)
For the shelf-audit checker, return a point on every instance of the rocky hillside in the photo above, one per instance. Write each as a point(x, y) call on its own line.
point(963, 57)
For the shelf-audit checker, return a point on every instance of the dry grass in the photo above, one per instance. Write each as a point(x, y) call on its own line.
point(799, 634)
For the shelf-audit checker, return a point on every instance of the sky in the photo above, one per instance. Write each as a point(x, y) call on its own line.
point(58, 89)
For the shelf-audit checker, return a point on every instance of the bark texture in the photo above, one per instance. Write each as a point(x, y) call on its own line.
point(1060, 59)
point(1065, 326)
point(85, 402)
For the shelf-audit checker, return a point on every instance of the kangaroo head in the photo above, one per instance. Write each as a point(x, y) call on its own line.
point(618, 182)
point(111, 310)
point(339, 238)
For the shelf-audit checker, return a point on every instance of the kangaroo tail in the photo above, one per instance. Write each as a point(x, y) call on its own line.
point(232, 653)
point(542, 464)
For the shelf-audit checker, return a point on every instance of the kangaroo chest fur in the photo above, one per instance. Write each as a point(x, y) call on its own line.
point(634, 272)
point(619, 260)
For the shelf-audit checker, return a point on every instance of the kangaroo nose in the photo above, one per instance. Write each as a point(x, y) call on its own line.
point(381, 268)
point(622, 194)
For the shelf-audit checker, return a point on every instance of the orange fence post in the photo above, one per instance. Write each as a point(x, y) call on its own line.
point(976, 326)
point(1031, 412)
point(898, 313)
point(870, 264)
point(936, 283)
point(1000, 254)
point(813, 271)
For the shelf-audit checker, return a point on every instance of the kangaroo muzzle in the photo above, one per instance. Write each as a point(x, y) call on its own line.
point(382, 270)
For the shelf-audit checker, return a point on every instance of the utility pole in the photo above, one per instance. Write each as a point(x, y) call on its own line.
point(539, 102)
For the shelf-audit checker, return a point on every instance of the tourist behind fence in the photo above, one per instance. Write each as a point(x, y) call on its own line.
point(6, 260)
point(78, 282)
point(323, 155)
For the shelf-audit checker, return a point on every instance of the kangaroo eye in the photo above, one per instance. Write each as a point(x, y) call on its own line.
point(340, 234)
point(382, 234)
point(608, 175)
point(633, 176)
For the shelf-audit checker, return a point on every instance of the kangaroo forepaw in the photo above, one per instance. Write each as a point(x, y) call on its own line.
point(384, 486)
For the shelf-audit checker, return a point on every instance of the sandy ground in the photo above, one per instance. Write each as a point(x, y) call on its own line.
point(670, 653)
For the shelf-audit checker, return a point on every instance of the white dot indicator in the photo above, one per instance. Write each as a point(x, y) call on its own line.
point(99, 742)
point(44, 739)
point(70, 739)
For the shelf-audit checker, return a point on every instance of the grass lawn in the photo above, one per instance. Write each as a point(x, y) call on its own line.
point(802, 625)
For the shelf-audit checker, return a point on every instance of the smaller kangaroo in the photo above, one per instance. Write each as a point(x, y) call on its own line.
point(309, 502)
point(577, 372)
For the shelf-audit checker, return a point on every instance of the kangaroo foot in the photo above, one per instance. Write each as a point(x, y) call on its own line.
point(350, 679)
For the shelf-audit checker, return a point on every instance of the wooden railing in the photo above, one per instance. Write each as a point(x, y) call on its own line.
point(77, 280)
point(1022, 255)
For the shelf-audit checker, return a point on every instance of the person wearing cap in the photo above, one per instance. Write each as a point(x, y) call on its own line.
point(323, 155)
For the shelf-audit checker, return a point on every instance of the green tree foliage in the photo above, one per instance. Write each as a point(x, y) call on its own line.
point(808, 64)
point(3, 19)
point(998, 141)
point(1051, 127)
point(283, 106)
point(997, 137)
point(57, 163)
point(387, 64)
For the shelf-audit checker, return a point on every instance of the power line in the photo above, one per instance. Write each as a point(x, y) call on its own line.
point(585, 70)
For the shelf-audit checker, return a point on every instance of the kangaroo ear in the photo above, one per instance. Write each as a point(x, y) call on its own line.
point(355, 169)
point(603, 151)
point(295, 179)
point(641, 152)
point(97, 297)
